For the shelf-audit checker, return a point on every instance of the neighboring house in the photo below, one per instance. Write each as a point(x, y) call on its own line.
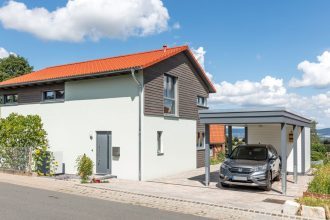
point(217, 143)
point(217, 139)
point(136, 115)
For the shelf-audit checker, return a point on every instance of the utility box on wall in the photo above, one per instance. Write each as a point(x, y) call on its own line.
point(116, 152)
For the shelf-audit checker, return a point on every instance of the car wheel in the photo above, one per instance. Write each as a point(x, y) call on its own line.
point(268, 187)
point(278, 177)
point(224, 185)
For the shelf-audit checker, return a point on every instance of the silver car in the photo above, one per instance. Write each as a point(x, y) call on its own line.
point(251, 165)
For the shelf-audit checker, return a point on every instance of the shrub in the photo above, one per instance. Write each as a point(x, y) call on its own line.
point(84, 167)
point(219, 159)
point(20, 136)
point(318, 147)
point(315, 156)
point(321, 182)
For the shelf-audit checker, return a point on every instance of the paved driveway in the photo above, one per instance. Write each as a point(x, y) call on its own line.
point(190, 186)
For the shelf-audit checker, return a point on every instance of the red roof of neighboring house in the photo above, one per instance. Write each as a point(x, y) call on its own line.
point(217, 134)
point(112, 64)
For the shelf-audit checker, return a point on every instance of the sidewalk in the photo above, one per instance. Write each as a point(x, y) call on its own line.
point(213, 202)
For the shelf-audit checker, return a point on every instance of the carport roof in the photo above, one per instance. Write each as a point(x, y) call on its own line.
point(246, 116)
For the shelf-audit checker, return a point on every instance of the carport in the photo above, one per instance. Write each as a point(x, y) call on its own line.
point(288, 131)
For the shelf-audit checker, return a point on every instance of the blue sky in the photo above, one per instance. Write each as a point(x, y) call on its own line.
point(243, 40)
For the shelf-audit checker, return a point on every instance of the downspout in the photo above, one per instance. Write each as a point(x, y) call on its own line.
point(140, 91)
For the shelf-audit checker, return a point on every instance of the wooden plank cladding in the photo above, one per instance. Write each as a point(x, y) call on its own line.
point(31, 94)
point(190, 85)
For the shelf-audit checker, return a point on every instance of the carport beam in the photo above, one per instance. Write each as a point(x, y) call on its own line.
point(283, 156)
point(207, 154)
point(295, 153)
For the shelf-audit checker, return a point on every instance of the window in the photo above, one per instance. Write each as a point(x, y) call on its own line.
point(53, 95)
point(159, 143)
point(200, 140)
point(201, 101)
point(169, 95)
point(10, 99)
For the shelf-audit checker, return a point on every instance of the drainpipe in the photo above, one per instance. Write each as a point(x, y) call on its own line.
point(133, 71)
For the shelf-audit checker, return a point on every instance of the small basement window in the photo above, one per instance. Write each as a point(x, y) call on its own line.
point(10, 99)
point(201, 101)
point(160, 150)
point(53, 95)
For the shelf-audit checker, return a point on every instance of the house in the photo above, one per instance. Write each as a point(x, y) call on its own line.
point(217, 143)
point(135, 116)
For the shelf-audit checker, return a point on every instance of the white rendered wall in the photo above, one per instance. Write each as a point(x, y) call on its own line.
point(107, 104)
point(271, 134)
point(179, 143)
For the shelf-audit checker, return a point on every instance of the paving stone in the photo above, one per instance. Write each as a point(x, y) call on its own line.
point(313, 212)
point(290, 207)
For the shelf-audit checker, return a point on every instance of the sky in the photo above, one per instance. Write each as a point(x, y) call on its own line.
point(257, 53)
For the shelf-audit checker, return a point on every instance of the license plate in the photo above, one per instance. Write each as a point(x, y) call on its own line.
point(240, 178)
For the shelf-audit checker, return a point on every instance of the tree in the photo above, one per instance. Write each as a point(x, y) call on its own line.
point(14, 66)
point(315, 139)
point(20, 137)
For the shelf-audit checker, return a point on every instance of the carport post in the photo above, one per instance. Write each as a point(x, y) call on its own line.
point(246, 134)
point(303, 148)
point(230, 139)
point(283, 157)
point(295, 153)
point(207, 154)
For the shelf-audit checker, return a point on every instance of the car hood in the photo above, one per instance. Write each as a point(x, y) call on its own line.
point(244, 163)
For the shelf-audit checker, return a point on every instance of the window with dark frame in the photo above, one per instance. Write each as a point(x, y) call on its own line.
point(10, 99)
point(200, 140)
point(169, 94)
point(201, 101)
point(159, 143)
point(53, 95)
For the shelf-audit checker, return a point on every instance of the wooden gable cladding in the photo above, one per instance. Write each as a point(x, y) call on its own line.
point(189, 84)
point(31, 94)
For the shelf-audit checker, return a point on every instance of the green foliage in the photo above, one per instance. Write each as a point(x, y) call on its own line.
point(19, 137)
point(319, 148)
point(84, 167)
point(44, 160)
point(315, 156)
point(321, 182)
point(315, 139)
point(14, 66)
point(219, 159)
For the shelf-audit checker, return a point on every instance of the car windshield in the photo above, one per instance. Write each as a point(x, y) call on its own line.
point(249, 153)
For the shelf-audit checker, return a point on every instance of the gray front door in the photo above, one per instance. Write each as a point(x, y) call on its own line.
point(103, 152)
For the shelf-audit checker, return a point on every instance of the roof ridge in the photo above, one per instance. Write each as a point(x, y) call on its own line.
point(105, 58)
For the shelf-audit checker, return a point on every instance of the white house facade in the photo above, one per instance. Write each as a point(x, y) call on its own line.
point(133, 123)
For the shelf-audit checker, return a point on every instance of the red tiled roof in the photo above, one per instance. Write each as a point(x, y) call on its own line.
point(217, 134)
point(112, 64)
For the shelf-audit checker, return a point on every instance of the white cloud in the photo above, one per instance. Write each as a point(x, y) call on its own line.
point(4, 53)
point(269, 91)
point(81, 19)
point(199, 54)
point(314, 74)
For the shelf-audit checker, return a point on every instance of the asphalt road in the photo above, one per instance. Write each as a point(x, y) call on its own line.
point(18, 202)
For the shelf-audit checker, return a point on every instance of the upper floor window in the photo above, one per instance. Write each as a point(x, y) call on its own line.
point(53, 95)
point(201, 101)
point(170, 94)
point(10, 99)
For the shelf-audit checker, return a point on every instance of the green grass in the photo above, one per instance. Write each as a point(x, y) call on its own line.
point(321, 182)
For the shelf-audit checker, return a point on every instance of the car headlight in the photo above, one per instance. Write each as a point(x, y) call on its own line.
point(261, 168)
point(224, 166)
